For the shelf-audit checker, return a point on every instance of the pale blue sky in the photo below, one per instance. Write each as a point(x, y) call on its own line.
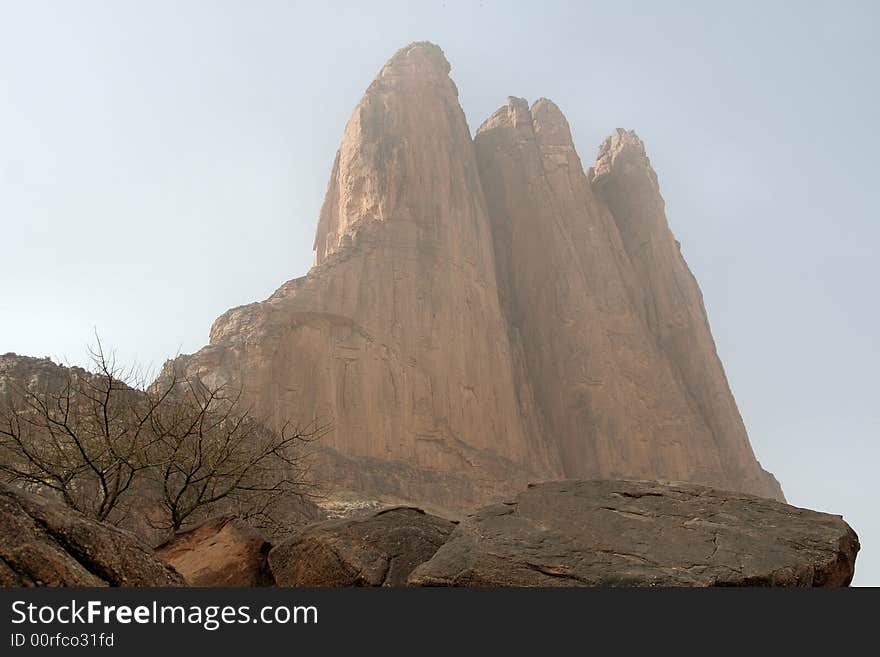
point(161, 162)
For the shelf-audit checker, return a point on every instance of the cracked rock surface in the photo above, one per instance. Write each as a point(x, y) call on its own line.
point(378, 549)
point(43, 543)
point(638, 533)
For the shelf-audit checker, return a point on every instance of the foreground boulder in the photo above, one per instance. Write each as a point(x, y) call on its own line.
point(222, 551)
point(378, 549)
point(631, 533)
point(43, 543)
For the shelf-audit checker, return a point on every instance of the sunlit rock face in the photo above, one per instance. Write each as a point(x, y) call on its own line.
point(617, 345)
point(671, 305)
point(479, 314)
point(396, 336)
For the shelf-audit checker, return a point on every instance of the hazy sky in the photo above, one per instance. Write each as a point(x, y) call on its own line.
point(161, 162)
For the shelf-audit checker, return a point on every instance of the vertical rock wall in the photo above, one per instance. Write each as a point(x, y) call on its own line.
point(483, 313)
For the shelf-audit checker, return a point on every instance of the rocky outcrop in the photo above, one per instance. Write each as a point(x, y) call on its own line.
point(483, 313)
point(43, 543)
point(19, 373)
point(620, 397)
point(223, 551)
point(379, 549)
point(631, 533)
point(671, 304)
point(396, 336)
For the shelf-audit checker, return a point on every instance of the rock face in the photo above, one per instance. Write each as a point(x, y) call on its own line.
point(220, 552)
point(379, 549)
point(396, 335)
point(45, 544)
point(483, 313)
point(616, 340)
point(630, 533)
point(25, 372)
point(671, 305)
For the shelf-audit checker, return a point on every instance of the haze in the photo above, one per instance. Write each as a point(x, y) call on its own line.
point(161, 162)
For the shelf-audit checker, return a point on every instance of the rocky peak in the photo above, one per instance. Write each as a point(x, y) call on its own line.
point(396, 336)
point(518, 112)
point(34, 373)
point(550, 124)
point(420, 58)
point(622, 148)
point(483, 313)
point(406, 154)
point(543, 126)
point(671, 303)
point(593, 306)
point(543, 117)
point(621, 141)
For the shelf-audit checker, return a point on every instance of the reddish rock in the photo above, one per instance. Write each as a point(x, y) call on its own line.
point(671, 304)
point(618, 398)
point(481, 316)
point(396, 335)
point(222, 551)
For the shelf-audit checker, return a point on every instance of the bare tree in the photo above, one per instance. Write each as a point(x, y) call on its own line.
point(211, 452)
point(84, 437)
point(113, 447)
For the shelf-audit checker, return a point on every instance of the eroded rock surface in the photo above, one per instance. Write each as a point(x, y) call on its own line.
point(617, 346)
point(671, 305)
point(222, 551)
point(484, 313)
point(378, 549)
point(631, 533)
point(396, 336)
point(43, 543)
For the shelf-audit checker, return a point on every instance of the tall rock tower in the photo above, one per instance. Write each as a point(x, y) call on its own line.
point(483, 313)
point(617, 345)
point(396, 335)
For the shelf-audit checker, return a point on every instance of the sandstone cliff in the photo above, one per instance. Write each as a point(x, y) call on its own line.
point(396, 335)
point(482, 313)
point(671, 304)
point(618, 349)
